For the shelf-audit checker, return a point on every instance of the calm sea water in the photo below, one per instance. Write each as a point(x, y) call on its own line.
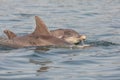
point(98, 19)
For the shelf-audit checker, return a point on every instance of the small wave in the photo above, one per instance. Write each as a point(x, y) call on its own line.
point(101, 43)
point(47, 48)
point(79, 62)
point(5, 48)
point(25, 14)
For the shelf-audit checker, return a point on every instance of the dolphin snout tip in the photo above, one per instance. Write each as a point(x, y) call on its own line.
point(82, 37)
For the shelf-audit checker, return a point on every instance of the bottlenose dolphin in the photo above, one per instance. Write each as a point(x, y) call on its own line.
point(41, 36)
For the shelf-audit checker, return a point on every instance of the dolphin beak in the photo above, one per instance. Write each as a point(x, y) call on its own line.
point(82, 37)
point(78, 40)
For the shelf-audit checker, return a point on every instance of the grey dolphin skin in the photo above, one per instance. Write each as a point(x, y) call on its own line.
point(41, 36)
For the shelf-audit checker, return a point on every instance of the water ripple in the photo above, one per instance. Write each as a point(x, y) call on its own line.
point(99, 20)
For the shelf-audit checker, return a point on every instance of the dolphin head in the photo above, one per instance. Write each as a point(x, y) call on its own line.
point(68, 35)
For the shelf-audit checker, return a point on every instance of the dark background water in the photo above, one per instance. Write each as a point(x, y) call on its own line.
point(98, 19)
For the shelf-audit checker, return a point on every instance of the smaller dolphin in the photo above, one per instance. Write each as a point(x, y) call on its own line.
point(68, 35)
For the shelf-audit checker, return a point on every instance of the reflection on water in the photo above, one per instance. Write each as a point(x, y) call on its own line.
point(99, 20)
point(43, 69)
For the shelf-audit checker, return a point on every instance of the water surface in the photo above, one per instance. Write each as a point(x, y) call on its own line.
point(98, 19)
